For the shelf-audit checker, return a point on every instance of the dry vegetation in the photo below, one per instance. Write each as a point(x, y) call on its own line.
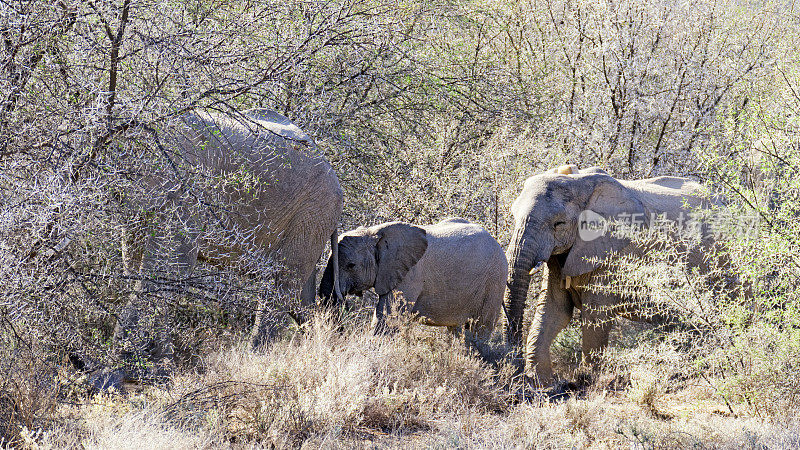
point(426, 110)
point(331, 388)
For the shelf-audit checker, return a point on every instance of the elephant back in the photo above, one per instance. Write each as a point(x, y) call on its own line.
point(671, 195)
point(280, 125)
point(256, 136)
point(269, 174)
point(456, 245)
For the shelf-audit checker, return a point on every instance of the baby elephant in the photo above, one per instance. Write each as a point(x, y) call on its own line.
point(448, 273)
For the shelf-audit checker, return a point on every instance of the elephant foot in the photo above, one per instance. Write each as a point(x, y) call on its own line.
point(98, 378)
point(106, 380)
point(160, 373)
point(563, 390)
point(150, 364)
point(557, 391)
point(150, 372)
point(484, 349)
point(270, 327)
point(527, 392)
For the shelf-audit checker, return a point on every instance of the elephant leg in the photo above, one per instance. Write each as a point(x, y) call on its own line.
point(293, 293)
point(263, 329)
point(382, 309)
point(267, 323)
point(402, 302)
point(184, 243)
point(594, 340)
point(133, 243)
point(309, 293)
point(130, 333)
point(410, 288)
point(483, 323)
point(126, 330)
point(481, 329)
point(553, 314)
point(597, 317)
point(143, 326)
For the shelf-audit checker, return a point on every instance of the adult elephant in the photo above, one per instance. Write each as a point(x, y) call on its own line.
point(551, 216)
point(450, 273)
point(276, 195)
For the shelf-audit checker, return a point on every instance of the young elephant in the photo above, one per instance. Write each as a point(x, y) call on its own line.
point(449, 272)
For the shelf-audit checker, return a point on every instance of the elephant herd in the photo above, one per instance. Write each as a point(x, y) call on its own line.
point(452, 273)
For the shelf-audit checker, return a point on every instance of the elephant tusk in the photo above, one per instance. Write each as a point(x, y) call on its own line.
point(568, 282)
point(535, 268)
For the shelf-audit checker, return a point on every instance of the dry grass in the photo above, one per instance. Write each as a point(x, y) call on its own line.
point(322, 382)
point(420, 388)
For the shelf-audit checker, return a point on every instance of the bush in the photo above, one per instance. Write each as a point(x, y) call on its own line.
point(426, 110)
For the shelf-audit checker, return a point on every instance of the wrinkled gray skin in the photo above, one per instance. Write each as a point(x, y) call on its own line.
point(290, 209)
point(449, 273)
point(546, 231)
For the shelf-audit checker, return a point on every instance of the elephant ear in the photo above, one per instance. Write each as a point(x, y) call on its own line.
point(609, 201)
point(400, 245)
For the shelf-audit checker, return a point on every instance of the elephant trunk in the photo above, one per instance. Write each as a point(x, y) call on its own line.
point(514, 302)
point(518, 282)
point(524, 254)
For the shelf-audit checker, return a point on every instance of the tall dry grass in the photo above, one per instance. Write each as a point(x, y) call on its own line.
point(420, 388)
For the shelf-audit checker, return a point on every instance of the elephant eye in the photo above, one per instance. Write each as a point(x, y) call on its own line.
point(558, 224)
point(349, 266)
